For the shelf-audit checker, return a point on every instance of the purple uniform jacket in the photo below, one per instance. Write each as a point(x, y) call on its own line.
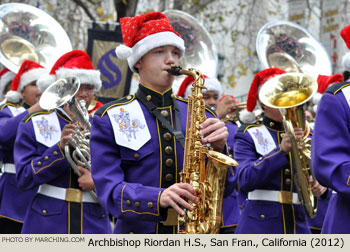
point(230, 207)
point(264, 173)
point(13, 200)
point(129, 182)
point(37, 164)
point(331, 155)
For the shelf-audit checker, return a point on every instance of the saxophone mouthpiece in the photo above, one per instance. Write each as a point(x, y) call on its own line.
point(174, 70)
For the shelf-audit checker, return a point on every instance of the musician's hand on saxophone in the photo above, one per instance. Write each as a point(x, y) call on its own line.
point(66, 135)
point(85, 180)
point(214, 132)
point(286, 144)
point(176, 194)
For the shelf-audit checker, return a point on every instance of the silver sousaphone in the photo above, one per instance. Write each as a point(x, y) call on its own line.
point(291, 47)
point(200, 49)
point(29, 33)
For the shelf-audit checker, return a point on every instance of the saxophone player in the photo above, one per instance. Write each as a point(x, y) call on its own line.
point(135, 158)
point(62, 204)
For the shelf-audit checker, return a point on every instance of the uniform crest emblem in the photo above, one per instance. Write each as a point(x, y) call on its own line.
point(129, 125)
point(262, 138)
point(45, 129)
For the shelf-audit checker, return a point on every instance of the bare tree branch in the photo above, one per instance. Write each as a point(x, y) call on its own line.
point(85, 8)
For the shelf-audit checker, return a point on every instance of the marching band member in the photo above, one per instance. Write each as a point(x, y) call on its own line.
point(6, 77)
point(330, 151)
point(14, 201)
point(62, 204)
point(136, 159)
point(265, 173)
point(211, 95)
point(324, 195)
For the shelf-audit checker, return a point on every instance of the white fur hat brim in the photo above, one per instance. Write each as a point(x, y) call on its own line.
point(13, 96)
point(147, 44)
point(45, 81)
point(86, 76)
point(30, 76)
point(346, 61)
point(5, 79)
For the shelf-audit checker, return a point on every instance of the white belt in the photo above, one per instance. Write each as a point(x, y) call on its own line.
point(67, 194)
point(8, 168)
point(276, 196)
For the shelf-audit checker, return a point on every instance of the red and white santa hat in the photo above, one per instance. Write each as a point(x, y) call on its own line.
point(323, 82)
point(5, 77)
point(76, 63)
point(28, 72)
point(247, 115)
point(212, 84)
point(144, 33)
point(345, 34)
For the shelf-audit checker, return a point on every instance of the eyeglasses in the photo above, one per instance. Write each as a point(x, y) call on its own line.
point(87, 89)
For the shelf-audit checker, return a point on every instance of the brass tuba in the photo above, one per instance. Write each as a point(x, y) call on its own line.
point(62, 92)
point(207, 180)
point(288, 93)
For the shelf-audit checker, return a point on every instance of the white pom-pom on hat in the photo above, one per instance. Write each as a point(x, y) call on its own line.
point(13, 96)
point(316, 98)
point(123, 51)
point(247, 117)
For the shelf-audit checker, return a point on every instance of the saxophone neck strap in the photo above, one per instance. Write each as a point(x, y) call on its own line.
point(177, 133)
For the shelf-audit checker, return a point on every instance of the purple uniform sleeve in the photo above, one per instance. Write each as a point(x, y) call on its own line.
point(35, 163)
point(254, 170)
point(331, 144)
point(115, 194)
point(9, 125)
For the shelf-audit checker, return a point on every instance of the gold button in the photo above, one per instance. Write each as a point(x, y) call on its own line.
point(137, 204)
point(131, 233)
point(150, 204)
point(128, 97)
point(103, 216)
point(168, 150)
point(148, 97)
point(262, 216)
point(272, 124)
point(275, 149)
point(46, 158)
point(288, 181)
point(38, 164)
point(169, 162)
point(44, 212)
point(164, 113)
point(136, 155)
point(260, 158)
point(173, 95)
point(169, 177)
point(287, 172)
point(167, 136)
point(128, 202)
point(55, 153)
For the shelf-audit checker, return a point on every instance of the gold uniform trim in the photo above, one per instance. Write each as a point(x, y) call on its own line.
point(124, 211)
point(38, 113)
point(273, 154)
point(336, 91)
point(9, 104)
point(117, 104)
point(36, 172)
point(251, 125)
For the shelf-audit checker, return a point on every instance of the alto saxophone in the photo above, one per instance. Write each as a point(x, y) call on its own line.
point(207, 179)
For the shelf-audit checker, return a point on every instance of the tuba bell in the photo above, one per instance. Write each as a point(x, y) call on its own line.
point(28, 33)
point(288, 93)
point(58, 94)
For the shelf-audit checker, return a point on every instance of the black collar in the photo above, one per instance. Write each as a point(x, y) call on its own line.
point(158, 99)
point(26, 105)
point(273, 124)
